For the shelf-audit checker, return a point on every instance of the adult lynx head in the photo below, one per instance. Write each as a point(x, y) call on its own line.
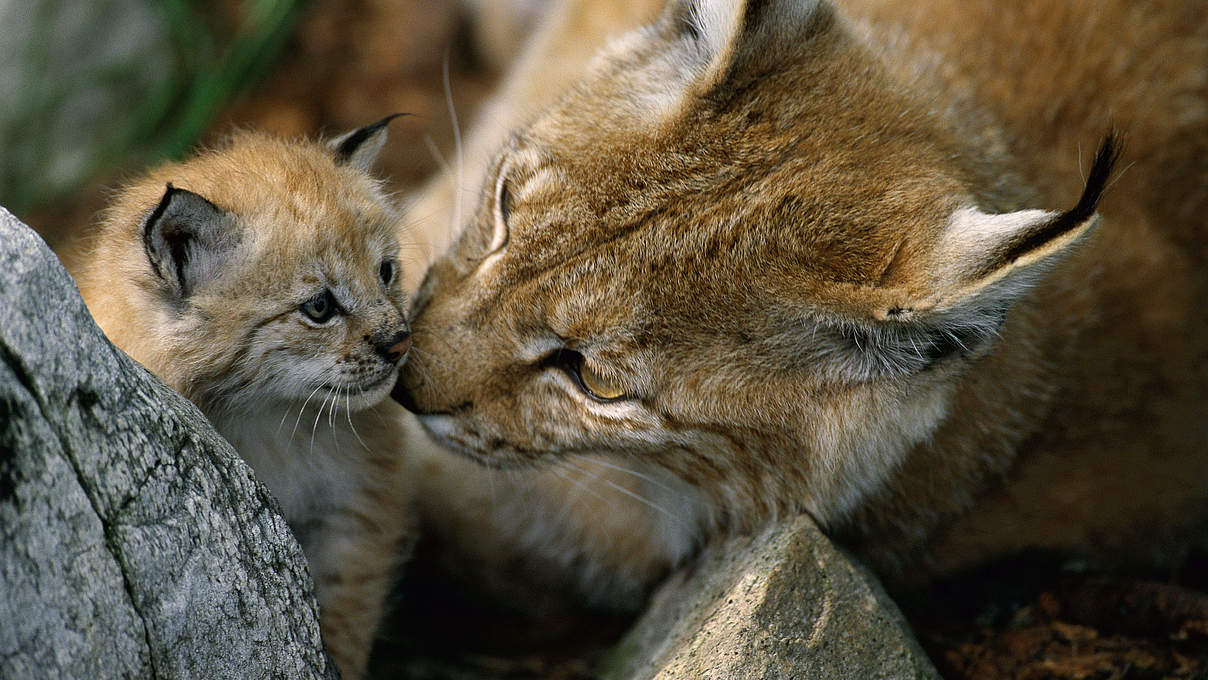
point(259, 274)
point(737, 249)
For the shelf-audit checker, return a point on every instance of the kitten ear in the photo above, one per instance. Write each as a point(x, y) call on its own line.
point(360, 147)
point(964, 289)
point(735, 39)
point(188, 239)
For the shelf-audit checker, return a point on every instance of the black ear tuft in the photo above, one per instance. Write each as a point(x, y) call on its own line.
point(360, 147)
point(187, 239)
point(1106, 157)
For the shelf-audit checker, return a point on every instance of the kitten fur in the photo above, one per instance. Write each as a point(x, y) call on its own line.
point(841, 258)
point(203, 271)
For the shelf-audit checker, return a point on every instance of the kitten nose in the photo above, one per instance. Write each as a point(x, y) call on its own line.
point(393, 348)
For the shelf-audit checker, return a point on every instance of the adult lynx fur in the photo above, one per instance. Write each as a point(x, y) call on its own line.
point(723, 260)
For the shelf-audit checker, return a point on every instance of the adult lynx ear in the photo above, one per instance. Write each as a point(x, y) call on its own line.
point(999, 256)
point(187, 239)
point(953, 299)
point(360, 147)
point(734, 39)
point(980, 267)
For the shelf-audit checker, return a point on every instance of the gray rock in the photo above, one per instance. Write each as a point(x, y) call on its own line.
point(134, 542)
point(782, 604)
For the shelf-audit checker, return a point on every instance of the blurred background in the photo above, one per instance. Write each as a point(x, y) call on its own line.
point(95, 91)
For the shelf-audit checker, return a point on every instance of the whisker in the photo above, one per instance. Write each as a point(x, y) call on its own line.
point(581, 482)
point(456, 141)
point(440, 159)
point(348, 414)
point(1119, 176)
point(331, 427)
point(415, 221)
point(621, 468)
point(631, 494)
point(300, 411)
point(580, 485)
point(435, 357)
point(428, 381)
point(315, 427)
point(331, 413)
point(1081, 172)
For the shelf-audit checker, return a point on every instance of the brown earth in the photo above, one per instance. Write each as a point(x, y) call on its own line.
point(1036, 619)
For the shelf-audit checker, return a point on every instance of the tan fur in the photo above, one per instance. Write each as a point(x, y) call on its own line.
point(708, 215)
point(240, 348)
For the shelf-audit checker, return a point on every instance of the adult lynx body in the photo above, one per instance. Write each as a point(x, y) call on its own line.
point(846, 258)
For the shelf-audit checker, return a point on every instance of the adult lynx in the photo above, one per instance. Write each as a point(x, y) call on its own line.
point(842, 258)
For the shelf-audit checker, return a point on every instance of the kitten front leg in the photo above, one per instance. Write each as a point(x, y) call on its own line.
point(353, 553)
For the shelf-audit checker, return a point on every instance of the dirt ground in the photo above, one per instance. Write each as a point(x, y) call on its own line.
point(1035, 618)
point(353, 62)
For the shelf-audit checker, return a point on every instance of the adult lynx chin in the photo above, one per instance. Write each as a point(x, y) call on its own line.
point(261, 280)
point(758, 258)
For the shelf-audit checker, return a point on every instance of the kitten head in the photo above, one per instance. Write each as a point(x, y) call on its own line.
point(260, 274)
point(738, 249)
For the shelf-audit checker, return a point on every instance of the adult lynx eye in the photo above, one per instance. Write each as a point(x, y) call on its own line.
point(599, 385)
point(320, 308)
point(386, 272)
point(595, 384)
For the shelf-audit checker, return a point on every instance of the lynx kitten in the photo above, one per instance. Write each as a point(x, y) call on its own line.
point(261, 280)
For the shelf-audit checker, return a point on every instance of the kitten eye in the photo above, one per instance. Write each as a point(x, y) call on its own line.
point(386, 271)
point(320, 308)
point(503, 209)
point(595, 384)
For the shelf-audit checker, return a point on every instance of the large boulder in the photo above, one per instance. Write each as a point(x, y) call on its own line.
point(784, 604)
point(134, 542)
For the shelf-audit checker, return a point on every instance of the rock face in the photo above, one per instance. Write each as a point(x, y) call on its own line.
point(785, 604)
point(134, 542)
